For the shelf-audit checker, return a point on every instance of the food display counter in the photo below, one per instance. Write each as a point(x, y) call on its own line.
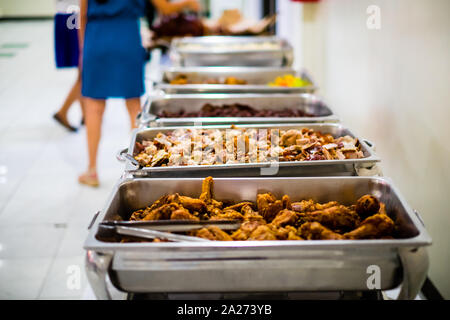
point(204, 207)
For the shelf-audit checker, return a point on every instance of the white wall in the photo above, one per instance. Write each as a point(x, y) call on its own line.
point(391, 86)
point(27, 8)
point(289, 26)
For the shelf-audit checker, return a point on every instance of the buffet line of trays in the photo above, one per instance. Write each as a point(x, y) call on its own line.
point(241, 179)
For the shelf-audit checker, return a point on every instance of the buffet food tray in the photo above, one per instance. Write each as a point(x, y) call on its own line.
point(194, 102)
point(231, 51)
point(258, 266)
point(288, 168)
point(257, 79)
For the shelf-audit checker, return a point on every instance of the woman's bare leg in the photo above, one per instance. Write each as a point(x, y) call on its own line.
point(134, 107)
point(83, 112)
point(74, 95)
point(94, 110)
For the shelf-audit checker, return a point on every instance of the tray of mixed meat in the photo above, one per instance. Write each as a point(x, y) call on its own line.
point(208, 109)
point(247, 150)
point(256, 235)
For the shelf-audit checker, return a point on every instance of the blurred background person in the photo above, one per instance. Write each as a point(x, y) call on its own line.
point(113, 62)
point(67, 54)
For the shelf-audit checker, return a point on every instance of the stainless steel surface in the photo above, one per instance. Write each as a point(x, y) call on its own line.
point(153, 234)
point(288, 168)
point(97, 265)
point(212, 51)
point(257, 80)
point(415, 265)
point(194, 102)
point(252, 266)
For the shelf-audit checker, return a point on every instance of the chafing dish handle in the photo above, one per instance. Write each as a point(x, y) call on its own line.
point(370, 144)
point(363, 171)
point(120, 154)
point(419, 217)
point(288, 59)
point(123, 155)
point(415, 265)
point(144, 117)
point(97, 265)
point(93, 220)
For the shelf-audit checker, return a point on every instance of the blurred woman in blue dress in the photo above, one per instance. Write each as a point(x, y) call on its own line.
point(113, 61)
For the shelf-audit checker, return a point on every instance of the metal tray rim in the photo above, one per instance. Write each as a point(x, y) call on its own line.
point(284, 45)
point(243, 87)
point(230, 69)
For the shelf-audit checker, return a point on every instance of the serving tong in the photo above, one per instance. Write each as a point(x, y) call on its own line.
point(161, 228)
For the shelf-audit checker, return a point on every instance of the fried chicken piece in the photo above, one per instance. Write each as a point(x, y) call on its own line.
point(302, 206)
point(161, 201)
point(228, 214)
point(249, 214)
point(247, 227)
point(140, 214)
point(382, 209)
point(182, 214)
point(293, 233)
point(137, 215)
point(207, 186)
point(164, 206)
point(286, 202)
point(192, 203)
point(311, 205)
point(272, 210)
point(270, 232)
point(162, 213)
point(238, 206)
point(263, 200)
point(287, 233)
point(213, 210)
point(335, 218)
point(285, 217)
point(376, 226)
point(316, 231)
point(212, 233)
point(213, 207)
point(367, 205)
point(268, 206)
point(263, 232)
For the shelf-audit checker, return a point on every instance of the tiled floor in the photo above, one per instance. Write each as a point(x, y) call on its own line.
point(44, 212)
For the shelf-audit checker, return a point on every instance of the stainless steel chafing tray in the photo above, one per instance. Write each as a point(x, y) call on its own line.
point(257, 80)
point(288, 168)
point(259, 266)
point(231, 51)
point(194, 102)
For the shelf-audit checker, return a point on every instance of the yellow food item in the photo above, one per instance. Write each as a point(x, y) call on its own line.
point(288, 80)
